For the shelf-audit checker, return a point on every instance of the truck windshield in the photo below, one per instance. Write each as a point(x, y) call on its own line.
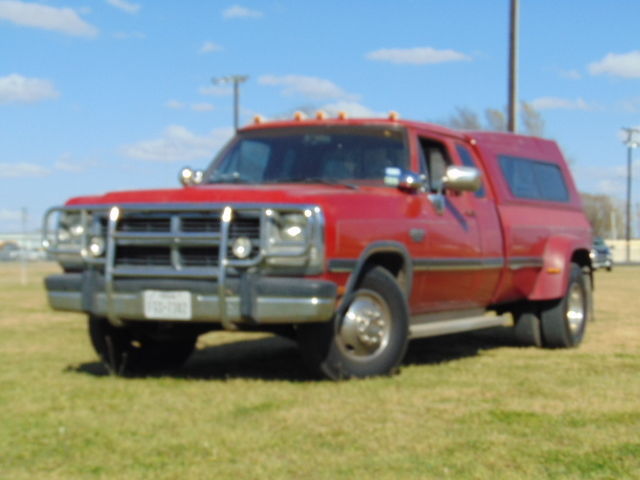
point(349, 155)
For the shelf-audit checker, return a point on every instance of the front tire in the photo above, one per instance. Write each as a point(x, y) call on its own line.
point(125, 351)
point(368, 337)
point(564, 321)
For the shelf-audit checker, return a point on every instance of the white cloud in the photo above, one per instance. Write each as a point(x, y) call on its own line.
point(16, 88)
point(202, 107)
point(208, 47)
point(216, 90)
point(196, 107)
point(178, 144)
point(237, 11)
point(21, 170)
point(127, 7)
point(416, 56)
point(310, 87)
point(62, 20)
point(7, 215)
point(555, 103)
point(625, 65)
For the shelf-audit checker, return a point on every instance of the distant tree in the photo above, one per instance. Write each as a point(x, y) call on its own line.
point(496, 119)
point(604, 214)
point(532, 120)
point(464, 119)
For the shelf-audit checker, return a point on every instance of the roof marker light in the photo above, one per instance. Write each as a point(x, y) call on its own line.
point(258, 119)
point(394, 116)
point(320, 115)
point(342, 115)
point(298, 116)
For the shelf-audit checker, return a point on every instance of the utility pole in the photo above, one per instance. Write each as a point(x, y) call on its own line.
point(23, 249)
point(512, 123)
point(631, 144)
point(236, 80)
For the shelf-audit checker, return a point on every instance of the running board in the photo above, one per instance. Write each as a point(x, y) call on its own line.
point(458, 325)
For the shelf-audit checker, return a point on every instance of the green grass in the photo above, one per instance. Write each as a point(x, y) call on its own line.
point(463, 407)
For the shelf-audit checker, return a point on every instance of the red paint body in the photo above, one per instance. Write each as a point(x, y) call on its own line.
point(498, 229)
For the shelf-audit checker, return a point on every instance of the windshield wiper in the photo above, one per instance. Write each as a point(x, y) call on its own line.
point(234, 177)
point(322, 180)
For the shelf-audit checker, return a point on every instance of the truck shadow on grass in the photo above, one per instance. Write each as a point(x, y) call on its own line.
point(278, 359)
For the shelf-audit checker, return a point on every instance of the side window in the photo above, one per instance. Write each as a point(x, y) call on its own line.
point(467, 161)
point(533, 179)
point(434, 161)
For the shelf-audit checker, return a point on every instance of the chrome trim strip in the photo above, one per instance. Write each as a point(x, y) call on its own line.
point(446, 327)
point(457, 264)
point(225, 221)
point(347, 265)
point(344, 265)
point(516, 263)
point(109, 265)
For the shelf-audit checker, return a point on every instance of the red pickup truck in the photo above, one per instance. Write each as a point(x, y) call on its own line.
point(353, 235)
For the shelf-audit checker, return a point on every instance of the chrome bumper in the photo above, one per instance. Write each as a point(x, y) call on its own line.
point(250, 300)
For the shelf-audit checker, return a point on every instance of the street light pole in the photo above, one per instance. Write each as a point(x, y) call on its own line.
point(236, 80)
point(631, 144)
point(512, 121)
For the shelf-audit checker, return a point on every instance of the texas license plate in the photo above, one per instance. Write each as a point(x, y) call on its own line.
point(167, 305)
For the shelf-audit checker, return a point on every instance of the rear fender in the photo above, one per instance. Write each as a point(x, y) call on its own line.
point(552, 280)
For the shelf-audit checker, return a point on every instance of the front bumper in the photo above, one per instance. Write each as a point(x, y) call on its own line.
point(250, 299)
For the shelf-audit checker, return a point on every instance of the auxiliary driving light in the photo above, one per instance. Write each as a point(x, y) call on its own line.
point(241, 247)
point(96, 246)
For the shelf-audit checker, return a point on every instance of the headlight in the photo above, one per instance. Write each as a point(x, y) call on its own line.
point(288, 230)
point(70, 228)
point(294, 239)
point(293, 228)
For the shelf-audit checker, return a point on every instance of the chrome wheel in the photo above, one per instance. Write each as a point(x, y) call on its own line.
point(366, 326)
point(575, 308)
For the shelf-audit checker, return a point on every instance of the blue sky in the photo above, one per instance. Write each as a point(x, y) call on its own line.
point(99, 95)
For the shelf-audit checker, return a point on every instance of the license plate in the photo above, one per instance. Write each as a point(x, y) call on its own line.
point(163, 305)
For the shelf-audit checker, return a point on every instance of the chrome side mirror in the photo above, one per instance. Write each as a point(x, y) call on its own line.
point(462, 179)
point(189, 177)
point(457, 179)
point(403, 179)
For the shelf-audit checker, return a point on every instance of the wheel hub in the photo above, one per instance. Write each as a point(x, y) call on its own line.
point(575, 309)
point(365, 326)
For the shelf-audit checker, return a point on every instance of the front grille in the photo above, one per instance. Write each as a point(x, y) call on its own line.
point(149, 224)
point(180, 239)
point(143, 256)
point(199, 257)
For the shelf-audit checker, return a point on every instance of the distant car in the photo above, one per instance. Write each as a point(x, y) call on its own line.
point(601, 255)
point(9, 251)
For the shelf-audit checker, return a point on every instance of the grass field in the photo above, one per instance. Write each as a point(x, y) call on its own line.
point(463, 407)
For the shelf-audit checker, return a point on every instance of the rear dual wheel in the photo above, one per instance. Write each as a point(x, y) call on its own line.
point(564, 321)
point(558, 323)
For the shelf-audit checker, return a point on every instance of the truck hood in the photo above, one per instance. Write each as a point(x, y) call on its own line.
point(252, 194)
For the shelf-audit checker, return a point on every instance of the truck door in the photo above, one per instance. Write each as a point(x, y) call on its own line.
point(484, 210)
point(446, 260)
